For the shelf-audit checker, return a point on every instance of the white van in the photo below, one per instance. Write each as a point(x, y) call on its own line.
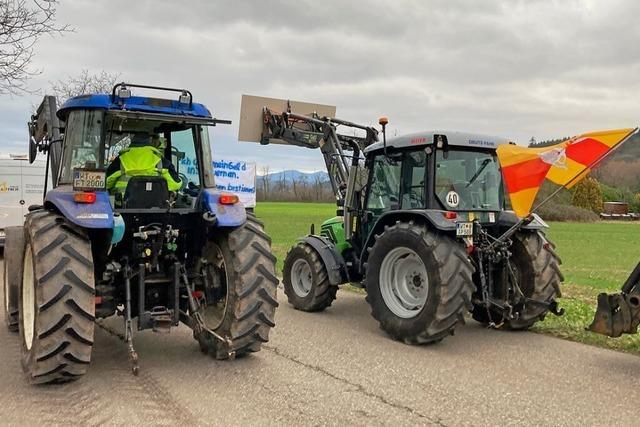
point(21, 185)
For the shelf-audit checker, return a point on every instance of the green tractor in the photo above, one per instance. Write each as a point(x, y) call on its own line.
point(421, 225)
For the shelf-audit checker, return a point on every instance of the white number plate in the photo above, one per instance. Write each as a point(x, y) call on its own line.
point(87, 180)
point(464, 229)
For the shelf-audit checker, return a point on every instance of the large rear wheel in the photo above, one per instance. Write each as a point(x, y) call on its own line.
point(239, 297)
point(418, 283)
point(12, 277)
point(306, 280)
point(57, 299)
point(537, 274)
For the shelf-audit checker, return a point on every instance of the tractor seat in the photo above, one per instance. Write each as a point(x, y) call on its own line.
point(145, 192)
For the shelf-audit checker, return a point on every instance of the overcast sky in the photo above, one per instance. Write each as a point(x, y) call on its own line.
point(511, 68)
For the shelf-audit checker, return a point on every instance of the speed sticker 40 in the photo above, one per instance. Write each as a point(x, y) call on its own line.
point(89, 179)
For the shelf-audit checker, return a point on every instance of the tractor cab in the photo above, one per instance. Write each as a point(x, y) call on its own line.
point(454, 172)
point(100, 128)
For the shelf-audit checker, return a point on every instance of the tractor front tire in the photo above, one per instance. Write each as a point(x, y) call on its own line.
point(419, 283)
point(306, 280)
point(13, 254)
point(57, 300)
point(251, 286)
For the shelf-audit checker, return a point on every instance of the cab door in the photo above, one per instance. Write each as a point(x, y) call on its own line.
point(383, 192)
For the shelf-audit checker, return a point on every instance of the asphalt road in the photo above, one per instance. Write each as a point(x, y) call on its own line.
point(334, 368)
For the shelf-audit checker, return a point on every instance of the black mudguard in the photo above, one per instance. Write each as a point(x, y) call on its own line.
point(332, 259)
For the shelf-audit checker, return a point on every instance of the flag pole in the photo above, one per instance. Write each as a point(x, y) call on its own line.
point(529, 218)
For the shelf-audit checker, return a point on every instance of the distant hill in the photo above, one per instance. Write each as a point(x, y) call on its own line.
point(294, 175)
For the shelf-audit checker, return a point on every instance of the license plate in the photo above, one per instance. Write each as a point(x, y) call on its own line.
point(464, 229)
point(89, 179)
point(1, 233)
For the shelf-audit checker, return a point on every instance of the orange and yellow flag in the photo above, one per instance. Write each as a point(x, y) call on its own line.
point(566, 163)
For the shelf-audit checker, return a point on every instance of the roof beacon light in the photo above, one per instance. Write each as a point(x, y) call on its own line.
point(124, 92)
point(384, 121)
point(185, 98)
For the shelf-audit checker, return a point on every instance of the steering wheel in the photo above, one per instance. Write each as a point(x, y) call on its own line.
point(184, 181)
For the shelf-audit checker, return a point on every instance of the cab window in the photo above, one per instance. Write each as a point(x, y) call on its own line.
point(183, 156)
point(385, 184)
point(83, 139)
point(413, 179)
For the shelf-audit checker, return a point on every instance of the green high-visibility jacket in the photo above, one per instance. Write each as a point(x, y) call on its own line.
point(140, 161)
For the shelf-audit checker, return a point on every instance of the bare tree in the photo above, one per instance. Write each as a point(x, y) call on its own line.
point(84, 83)
point(295, 187)
point(265, 181)
point(317, 186)
point(22, 23)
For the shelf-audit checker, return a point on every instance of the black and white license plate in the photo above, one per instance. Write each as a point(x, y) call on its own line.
point(464, 229)
point(89, 179)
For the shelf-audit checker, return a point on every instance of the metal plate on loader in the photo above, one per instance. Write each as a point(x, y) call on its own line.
point(250, 129)
point(464, 229)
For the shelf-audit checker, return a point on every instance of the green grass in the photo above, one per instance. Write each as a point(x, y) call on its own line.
point(596, 257)
point(599, 255)
point(286, 222)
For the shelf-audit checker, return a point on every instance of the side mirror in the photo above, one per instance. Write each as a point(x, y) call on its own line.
point(33, 149)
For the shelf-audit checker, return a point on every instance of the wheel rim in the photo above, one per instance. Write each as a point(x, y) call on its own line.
point(215, 310)
point(301, 278)
point(404, 283)
point(28, 299)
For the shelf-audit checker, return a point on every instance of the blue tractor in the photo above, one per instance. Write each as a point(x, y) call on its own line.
point(153, 256)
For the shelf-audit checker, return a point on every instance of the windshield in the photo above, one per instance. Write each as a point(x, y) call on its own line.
point(85, 146)
point(468, 180)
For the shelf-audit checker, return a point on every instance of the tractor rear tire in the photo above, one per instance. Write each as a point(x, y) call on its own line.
point(538, 269)
point(306, 280)
point(57, 300)
point(251, 283)
point(419, 252)
point(13, 260)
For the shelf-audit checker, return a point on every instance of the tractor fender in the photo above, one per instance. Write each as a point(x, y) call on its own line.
point(98, 214)
point(332, 259)
point(434, 219)
point(509, 219)
point(226, 215)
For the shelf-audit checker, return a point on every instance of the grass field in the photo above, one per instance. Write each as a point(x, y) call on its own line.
point(596, 257)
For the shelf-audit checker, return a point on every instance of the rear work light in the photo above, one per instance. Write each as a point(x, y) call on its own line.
point(450, 215)
point(228, 199)
point(84, 197)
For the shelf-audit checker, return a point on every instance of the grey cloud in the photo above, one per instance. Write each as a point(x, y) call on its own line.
point(513, 68)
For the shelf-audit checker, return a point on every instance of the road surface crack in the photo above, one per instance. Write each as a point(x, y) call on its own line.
point(359, 388)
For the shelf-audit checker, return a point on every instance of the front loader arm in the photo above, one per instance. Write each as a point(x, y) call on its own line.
point(619, 314)
point(314, 132)
point(44, 129)
point(320, 132)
